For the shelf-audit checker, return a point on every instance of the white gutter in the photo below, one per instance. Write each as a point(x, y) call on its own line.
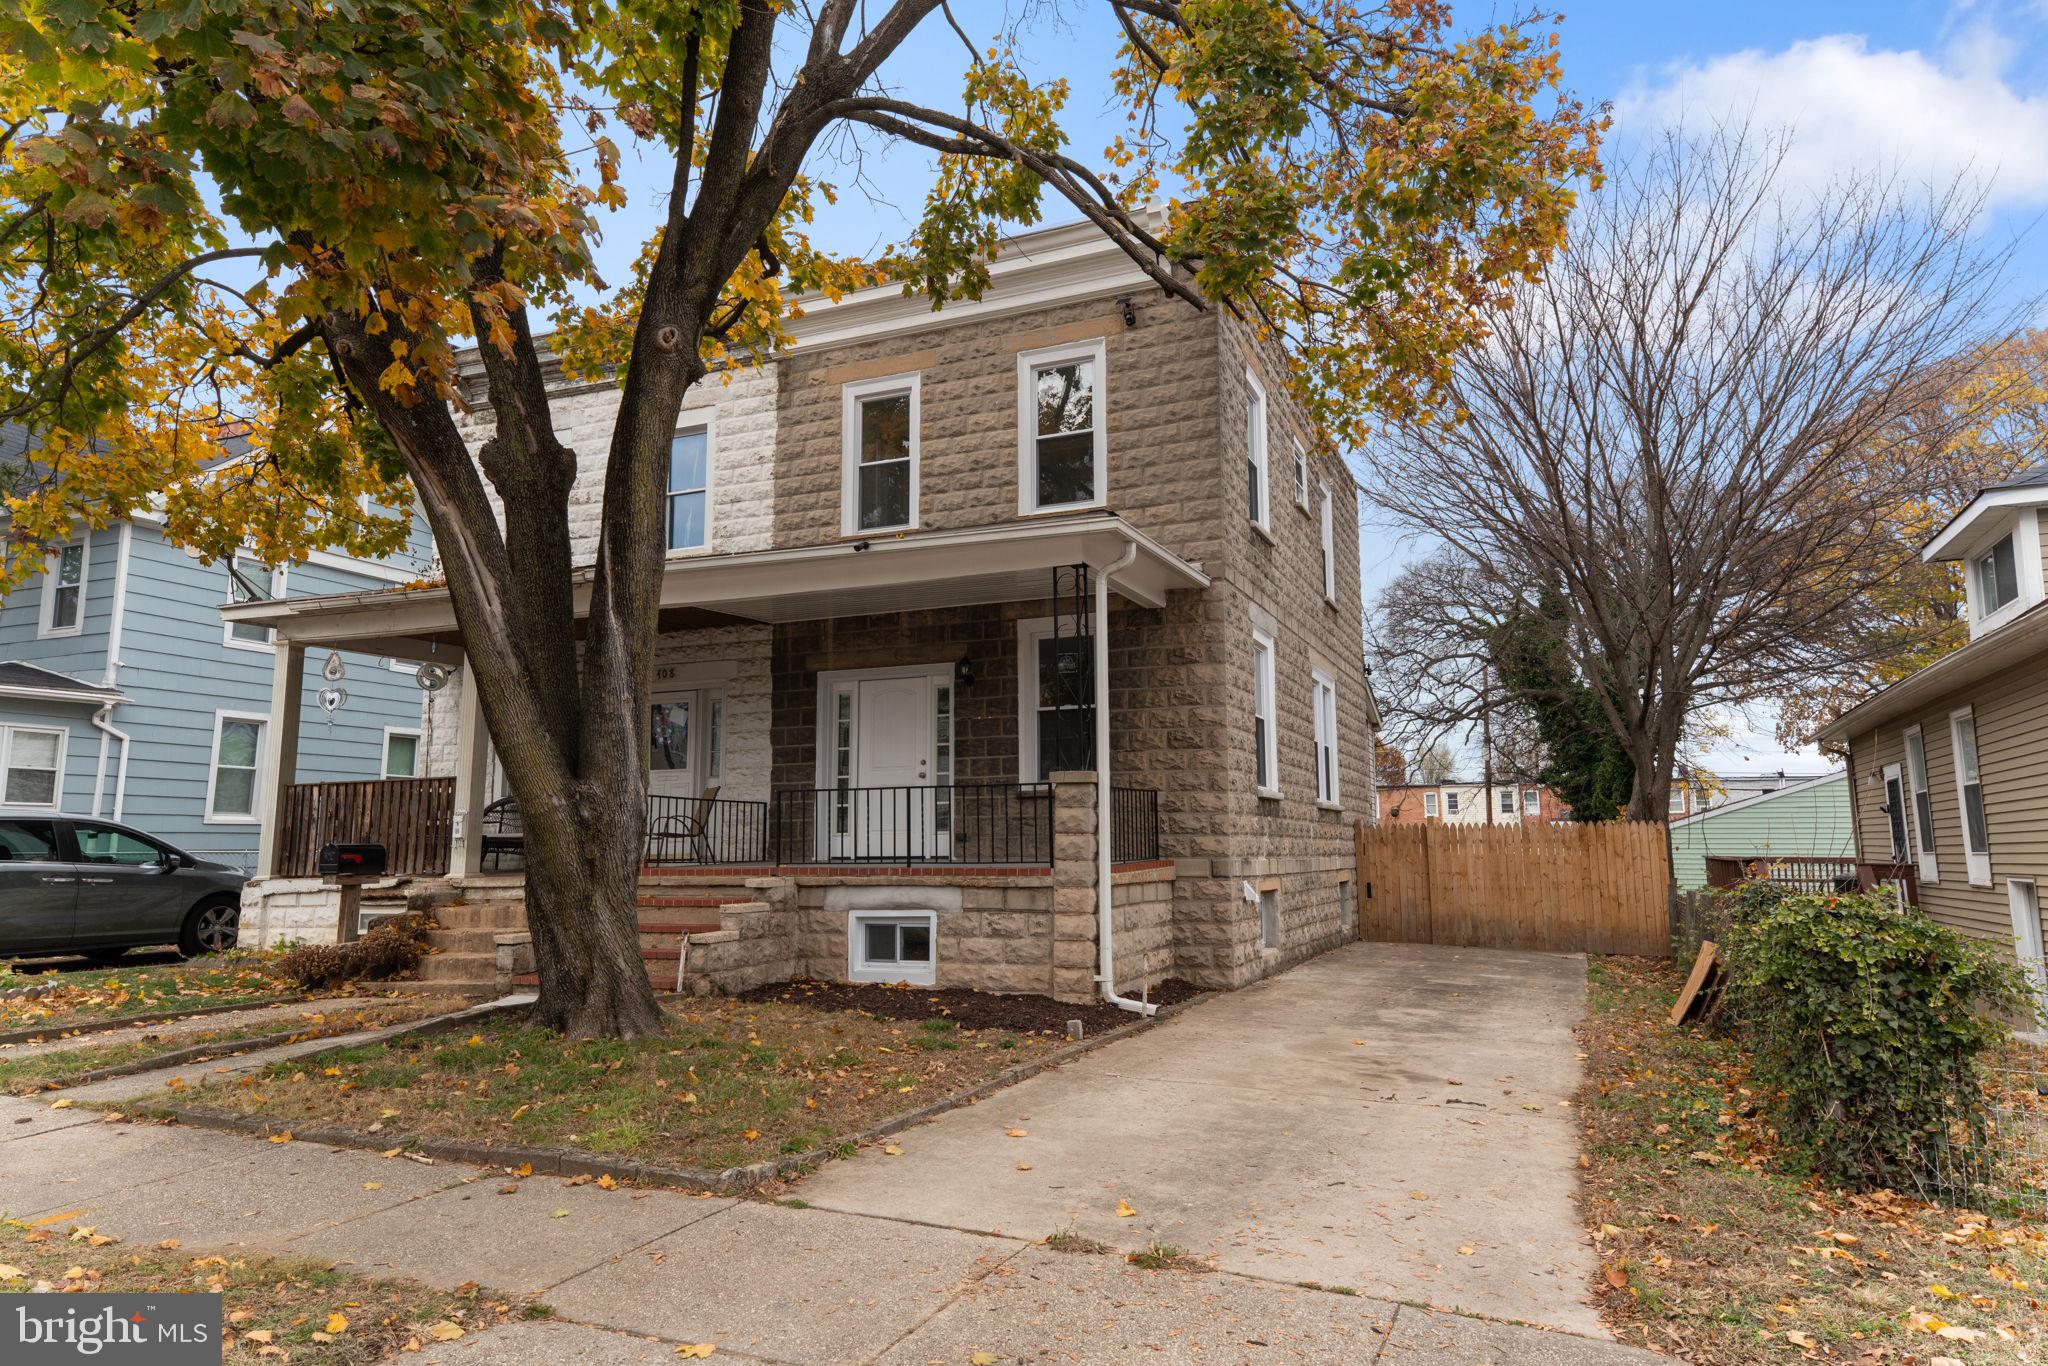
point(110, 677)
point(1105, 908)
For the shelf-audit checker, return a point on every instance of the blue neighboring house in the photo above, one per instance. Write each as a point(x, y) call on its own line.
point(123, 694)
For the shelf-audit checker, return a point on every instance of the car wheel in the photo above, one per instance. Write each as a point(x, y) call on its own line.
point(211, 928)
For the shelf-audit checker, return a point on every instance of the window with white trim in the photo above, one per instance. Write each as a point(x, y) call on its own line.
point(688, 489)
point(1997, 573)
point(1429, 803)
point(1056, 704)
point(234, 776)
point(1451, 803)
point(64, 590)
point(1677, 800)
point(1329, 544)
point(401, 753)
point(1507, 801)
point(1532, 802)
point(1970, 793)
point(31, 766)
point(250, 580)
point(1257, 504)
point(1300, 476)
point(880, 465)
point(1922, 804)
point(891, 947)
point(1062, 436)
point(1325, 703)
point(1265, 742)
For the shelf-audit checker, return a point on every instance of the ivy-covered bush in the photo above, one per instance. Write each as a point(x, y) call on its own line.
point(390, 948)
point(1869, 1022)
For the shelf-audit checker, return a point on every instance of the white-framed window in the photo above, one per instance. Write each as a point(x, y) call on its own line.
point(31, 766)
point(1451, 803)
point(1507, 801)
point(2025, 905)
point(234, 776)
point(1056, 702)
point(64, 577)
point(1677, 799)
point(1062, 428)
point(1429, 803)
point(1301, 476)
point(251, 580)
point(1962, 724)
point(1258, 500)
point(1922, 804)
point(1895, 811)
point(879, 422)
point(401, 752)
point(1265, 741)
point(892, 946)
point(1997, 572)
point(1324, 699)
point(688, 488)
point(1328, 529)
point(1532, 802)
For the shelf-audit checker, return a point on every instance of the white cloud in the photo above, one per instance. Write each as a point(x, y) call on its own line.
point(1850, 106)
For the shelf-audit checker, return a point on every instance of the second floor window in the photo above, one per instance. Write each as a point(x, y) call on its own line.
point(64, 591)
point(250, 580)
point(1451, 803)
point(1429, 803)
point(1063, 438)
point(1255, 453)
point(1970, 795)
point(1329, 545)
point(1265, 744)
point(880, 473)
point(1998, 577)
point(1301, 476)
point(689, 496)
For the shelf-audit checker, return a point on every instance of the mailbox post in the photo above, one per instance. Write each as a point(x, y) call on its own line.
point(349, 866)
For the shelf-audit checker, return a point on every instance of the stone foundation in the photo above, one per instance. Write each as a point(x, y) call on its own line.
point(288, 910)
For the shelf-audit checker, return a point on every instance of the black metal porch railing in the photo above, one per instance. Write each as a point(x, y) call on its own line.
point(1134, 824)
point(694, 830)
point(1007, 825)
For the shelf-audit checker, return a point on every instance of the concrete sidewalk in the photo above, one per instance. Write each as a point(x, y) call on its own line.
point(631, 1274)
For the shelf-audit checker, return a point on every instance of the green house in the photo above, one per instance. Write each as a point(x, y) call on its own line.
point(1807, 819)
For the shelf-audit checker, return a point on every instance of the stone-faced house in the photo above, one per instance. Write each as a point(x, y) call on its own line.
point(1946, 766)
point(898, 553)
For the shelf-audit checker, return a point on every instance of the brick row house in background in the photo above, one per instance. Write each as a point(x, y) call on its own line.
point(1453, 802)
point(892, 553)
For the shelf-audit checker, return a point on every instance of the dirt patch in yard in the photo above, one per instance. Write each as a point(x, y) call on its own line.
point(967, 1009)
point(283, 1308)
point(1716, 1246)
point(733, 1082)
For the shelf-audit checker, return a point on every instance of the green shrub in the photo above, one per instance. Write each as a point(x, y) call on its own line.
point(1868, 1024)
point(389, 948)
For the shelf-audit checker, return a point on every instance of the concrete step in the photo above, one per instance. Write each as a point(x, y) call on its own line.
point(490, 916)
point(459, 967)
point(477, 939)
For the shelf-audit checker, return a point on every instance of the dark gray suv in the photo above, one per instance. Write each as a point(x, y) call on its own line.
point(72, 884)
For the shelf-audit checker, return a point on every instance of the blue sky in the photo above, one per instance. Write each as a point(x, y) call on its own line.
point(1933, 89)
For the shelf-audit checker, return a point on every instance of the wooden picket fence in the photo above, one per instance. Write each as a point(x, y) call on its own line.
point(1596, 888)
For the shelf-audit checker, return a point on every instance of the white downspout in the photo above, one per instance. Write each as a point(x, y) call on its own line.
point(1105, 908)
point(110, 677)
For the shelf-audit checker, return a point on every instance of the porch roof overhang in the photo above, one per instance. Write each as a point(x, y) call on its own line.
point(890, 572)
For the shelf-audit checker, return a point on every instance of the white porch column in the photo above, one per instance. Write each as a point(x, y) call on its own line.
point(472, 777)
point(281, 763)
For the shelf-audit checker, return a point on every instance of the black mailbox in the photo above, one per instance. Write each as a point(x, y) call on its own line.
point(351, 860)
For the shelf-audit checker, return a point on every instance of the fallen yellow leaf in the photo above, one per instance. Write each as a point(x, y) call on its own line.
point(11, 1273)
point(337, 1322)
point(1941, 1292)
point(696, 1350)
point(524, 1168)
point(1124, 1210)
point(983, 1359)
point(373, 1185)
point(284, 1137)
point(1016, 1133)
point(1465, 1251)
point(444, 1331)
point(1023, 1166)
point(64, 1104)
point(474, 1039)
point(606, 1183)
point(258, 1335)
point(893, 1151)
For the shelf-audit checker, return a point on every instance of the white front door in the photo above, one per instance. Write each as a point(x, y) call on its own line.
point(893, 752)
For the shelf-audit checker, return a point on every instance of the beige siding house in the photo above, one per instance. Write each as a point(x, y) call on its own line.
point(1948, 768)
point(895, 551)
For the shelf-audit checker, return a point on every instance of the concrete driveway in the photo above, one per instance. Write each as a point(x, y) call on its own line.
point(1389, 1118)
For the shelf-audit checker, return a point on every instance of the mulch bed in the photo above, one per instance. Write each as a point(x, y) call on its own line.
point(967, 1009)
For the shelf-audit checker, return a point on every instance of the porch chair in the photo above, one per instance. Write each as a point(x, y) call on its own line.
point(691, 828)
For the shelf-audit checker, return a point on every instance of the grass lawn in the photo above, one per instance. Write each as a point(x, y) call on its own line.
point(733, 1082)
point(91, 996)
point(39, 1071)
point(302, 1311)
point(1714, 1246)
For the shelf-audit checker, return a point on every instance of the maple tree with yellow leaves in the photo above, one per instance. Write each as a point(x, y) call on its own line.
point(243, 243)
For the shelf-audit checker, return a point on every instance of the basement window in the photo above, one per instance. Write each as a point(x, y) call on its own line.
point(891, 947)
